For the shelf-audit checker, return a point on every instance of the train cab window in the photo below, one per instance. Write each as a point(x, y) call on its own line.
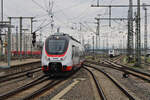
point(56, 46)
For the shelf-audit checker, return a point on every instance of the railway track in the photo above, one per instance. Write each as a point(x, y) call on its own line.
point(12, 76)
point(127, 71)
point(23, 88)
point(131, 71)
point(20, 68)
point(102, 90)
point(33, 89)
point(50, 85)
point(46, 87)
point(116, 59)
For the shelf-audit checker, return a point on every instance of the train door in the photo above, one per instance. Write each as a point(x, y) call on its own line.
point(76, 55)
point(73, 54)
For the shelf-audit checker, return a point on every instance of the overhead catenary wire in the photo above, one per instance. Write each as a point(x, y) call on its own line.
point(39, 5)
point(45, 4)
point(41, 27)
point(47, 10)
point(54, 12)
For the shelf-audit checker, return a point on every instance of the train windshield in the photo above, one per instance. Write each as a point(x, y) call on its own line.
point(56, 47)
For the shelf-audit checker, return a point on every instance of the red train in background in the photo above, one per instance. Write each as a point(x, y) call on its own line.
point(36, 53)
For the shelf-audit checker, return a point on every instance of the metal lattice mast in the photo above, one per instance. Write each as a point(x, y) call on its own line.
point(1, 29)
point(93, 45)
point(130, 31)
point(17, 39)
point(145, 34)
point(7, 24)
point(128, 41)
point(98, 30)
point(138, 53)
point(31, 33)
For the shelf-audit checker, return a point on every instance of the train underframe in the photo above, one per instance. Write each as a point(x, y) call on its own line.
point(111, 55)
point(56, 68)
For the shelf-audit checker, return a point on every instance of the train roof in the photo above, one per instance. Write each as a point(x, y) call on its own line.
point(65, 35)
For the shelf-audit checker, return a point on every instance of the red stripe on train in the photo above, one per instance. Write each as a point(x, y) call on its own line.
point(55, 55)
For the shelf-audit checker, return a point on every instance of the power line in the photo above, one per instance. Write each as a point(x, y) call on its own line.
point(41, 27)
point(39, 5)
point(118, 5)
point(45, 4)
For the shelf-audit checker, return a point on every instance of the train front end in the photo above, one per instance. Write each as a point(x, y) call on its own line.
point(56, 55)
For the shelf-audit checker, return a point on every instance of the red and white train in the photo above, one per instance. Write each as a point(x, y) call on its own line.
point(61, 53)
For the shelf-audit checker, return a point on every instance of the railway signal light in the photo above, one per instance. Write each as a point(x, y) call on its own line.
point(33, 42)
point(33, 38)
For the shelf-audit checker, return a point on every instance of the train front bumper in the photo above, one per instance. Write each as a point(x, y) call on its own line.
point(56, 67)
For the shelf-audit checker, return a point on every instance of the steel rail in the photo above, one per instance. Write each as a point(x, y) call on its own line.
point(22, 88)
point(50, 85)
point(4, 76)
point(19, 66)
point(123, 69)
point(132, 71)
point(100, 91)
point(122, 89)
point(18, 75)
point(128, 68)
point(22, 65)
point(31, 84)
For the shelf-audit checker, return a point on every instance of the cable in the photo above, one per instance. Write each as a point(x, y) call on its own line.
point(64, 24)
point(39, 5)
point(79, 16)
point(40, 16)
point(70, 7)
point(52, 6)
point(41, 27)
point(90, 28)
point(45, 4)
point(84, 13)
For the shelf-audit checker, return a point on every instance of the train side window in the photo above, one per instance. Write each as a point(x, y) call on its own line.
point(77, 52)
point(81, 54)
point(73, 51)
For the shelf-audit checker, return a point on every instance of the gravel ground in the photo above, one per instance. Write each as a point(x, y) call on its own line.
point(83, 90)
point(10, 85)
point(137, 86)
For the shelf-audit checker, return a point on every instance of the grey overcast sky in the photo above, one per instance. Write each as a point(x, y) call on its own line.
point(68, 14)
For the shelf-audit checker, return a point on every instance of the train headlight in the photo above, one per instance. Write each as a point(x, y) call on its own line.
point(63, 58)
point(47, 58)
